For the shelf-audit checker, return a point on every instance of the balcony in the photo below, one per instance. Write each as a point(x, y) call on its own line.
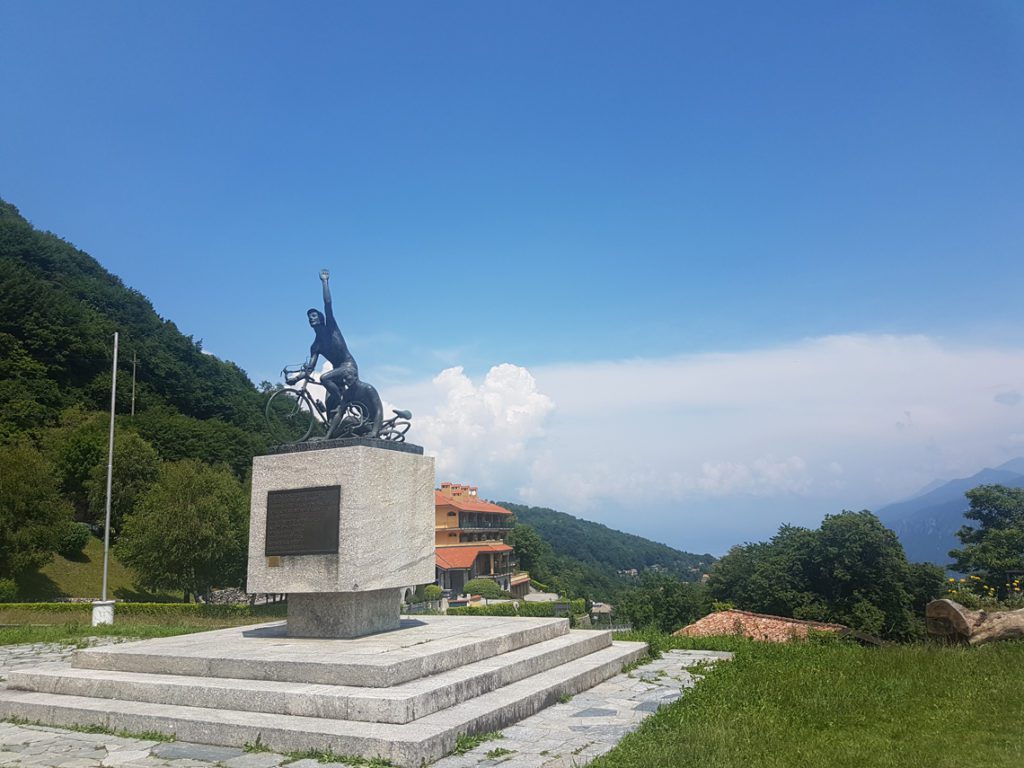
point(474, 523)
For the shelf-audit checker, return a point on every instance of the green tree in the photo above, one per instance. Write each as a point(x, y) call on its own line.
point(28, 400)
point(73, 539)
point(863, 575)
point(190, 530)
point(77, 446)
point(176, 436)
point(851, 570)
point(483, 587)
point(32, 514)
point(532, 553)
point(135, 469)
point(662, 601)
point(995, 546)
point(432, 592)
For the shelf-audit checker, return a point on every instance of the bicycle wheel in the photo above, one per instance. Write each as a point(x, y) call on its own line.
point(394, 430)
point(352, 423)
point(290, 416)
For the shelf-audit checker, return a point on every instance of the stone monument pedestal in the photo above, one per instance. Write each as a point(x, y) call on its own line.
point(341, 530)
point(341, 527)
point(343, 614)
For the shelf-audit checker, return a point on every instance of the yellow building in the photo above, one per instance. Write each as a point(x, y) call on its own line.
point(470, 537)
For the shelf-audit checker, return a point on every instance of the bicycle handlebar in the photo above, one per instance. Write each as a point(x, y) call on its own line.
point(295, 374)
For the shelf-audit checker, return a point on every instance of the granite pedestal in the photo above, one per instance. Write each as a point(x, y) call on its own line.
point(342, 529)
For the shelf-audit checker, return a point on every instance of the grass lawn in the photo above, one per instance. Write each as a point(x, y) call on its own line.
point(82, 576)
point(70, 623)
point(75, 633)
point(840, 705)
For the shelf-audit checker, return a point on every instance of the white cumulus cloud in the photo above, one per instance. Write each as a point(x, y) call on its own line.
point(480, 433)
point(703, 451)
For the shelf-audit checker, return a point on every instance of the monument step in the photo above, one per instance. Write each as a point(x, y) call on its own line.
point(410, 744)
point(398, 704)
point(422, 646)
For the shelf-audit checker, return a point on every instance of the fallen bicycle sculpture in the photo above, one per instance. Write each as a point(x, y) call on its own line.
point(352, 408)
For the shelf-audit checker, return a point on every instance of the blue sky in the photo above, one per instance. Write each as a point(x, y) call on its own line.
point(566, 188)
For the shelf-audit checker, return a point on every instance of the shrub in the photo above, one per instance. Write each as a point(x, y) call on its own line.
point(8, 591)
point(484, 588)
point(73, 540)
point(432, 592)
point(975, 594)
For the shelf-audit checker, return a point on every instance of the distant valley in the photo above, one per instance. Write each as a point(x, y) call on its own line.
point(927, 523)
point(593, 559)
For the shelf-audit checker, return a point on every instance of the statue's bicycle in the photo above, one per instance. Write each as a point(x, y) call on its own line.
point(295, 415)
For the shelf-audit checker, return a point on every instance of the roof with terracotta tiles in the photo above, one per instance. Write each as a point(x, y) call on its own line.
point(758, 626)
point(462, 558)
point(468, 504)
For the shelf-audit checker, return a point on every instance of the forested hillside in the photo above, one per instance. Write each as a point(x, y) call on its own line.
point(198, 423)
point(58, 311)
point(585, 558)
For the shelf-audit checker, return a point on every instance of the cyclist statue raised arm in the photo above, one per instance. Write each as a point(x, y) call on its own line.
point(331, 344)
point(353, 407)
point(341, 382)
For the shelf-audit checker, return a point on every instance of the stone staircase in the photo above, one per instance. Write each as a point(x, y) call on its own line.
point(404, 695)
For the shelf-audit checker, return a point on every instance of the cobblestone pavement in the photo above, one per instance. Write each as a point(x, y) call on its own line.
point(44, 654)
point(564, 735)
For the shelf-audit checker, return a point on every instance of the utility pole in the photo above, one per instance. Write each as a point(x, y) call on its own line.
point(134, 361)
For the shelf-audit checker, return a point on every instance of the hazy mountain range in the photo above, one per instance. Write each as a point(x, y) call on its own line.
point(928, 521)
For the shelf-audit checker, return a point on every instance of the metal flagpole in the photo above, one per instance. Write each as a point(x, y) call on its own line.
point(110, 471)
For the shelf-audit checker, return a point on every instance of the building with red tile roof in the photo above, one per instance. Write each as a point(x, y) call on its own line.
point(466, 557)
point(470, 537)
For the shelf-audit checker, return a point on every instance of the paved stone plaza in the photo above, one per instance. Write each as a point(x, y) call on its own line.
point(566, 734)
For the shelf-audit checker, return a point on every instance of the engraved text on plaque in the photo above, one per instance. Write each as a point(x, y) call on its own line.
point(303, 521)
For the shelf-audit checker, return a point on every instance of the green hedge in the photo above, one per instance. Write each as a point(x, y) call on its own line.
point(536, 610)
point(498, 609)
point(48, 607)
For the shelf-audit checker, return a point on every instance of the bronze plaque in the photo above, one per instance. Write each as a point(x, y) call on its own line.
point(303, 521)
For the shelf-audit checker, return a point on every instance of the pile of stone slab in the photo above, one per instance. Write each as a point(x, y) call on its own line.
point(404, 695)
